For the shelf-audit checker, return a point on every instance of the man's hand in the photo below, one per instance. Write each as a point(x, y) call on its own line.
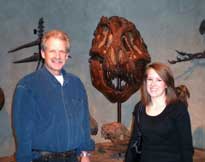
point(85, 159)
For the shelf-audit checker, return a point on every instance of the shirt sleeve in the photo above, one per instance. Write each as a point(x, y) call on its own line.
point(183, 125)
point(87, 144)
point(23, 105)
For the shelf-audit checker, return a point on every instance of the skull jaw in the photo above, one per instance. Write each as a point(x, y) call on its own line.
point(112, 94)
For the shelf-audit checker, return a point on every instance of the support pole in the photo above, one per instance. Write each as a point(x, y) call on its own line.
point(119, 103)
point(119, 112)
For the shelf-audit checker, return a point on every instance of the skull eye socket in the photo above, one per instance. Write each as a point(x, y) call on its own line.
point(105, 28)
point(126, 41)
point(107, 36)
point(101, 31)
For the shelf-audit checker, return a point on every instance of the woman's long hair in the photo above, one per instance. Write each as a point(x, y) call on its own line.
point(183, 94)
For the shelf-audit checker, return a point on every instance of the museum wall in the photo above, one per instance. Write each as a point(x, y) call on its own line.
point(165, 25)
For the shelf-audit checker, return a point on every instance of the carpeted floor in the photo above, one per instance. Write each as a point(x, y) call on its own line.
point(107, 152)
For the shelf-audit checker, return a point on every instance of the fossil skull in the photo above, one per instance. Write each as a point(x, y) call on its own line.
point(118, 57)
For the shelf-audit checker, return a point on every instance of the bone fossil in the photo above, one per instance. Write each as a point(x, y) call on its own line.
point(185, 56)
point(118, 57)
point(2, 99)
point(36, 56)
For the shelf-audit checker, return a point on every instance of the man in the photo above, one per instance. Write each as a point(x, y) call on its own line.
point(50, 109)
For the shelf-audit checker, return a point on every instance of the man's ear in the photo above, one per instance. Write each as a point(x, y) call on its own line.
point(67, 56)
point(42, 54)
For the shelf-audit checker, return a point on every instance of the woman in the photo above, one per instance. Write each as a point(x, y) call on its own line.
point(164, 119)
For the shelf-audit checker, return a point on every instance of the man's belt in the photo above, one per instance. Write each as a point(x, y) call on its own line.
point(45, 155)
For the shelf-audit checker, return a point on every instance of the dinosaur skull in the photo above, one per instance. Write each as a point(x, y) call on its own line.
point(118, 57)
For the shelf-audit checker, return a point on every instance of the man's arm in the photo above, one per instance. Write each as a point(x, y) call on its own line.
point(22, 123)
point(88, 143)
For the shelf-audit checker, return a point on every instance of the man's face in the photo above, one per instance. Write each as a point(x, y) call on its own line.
point(55, 55)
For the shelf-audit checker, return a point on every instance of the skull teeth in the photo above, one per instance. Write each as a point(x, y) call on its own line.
point(118, 80)
point(118, 84)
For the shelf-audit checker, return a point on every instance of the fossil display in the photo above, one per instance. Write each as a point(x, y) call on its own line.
point(118, 57)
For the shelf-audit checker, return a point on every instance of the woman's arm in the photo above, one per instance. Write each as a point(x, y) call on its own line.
point(183, 125)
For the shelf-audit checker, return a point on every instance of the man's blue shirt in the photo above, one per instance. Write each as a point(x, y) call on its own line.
point(50, 117)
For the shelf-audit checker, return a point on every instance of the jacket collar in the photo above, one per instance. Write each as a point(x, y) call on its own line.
point(52, 78)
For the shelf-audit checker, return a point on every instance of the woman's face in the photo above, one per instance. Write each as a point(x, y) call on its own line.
point(156, 87)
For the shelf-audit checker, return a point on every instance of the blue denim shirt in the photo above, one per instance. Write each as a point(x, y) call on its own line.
point(48, 116)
